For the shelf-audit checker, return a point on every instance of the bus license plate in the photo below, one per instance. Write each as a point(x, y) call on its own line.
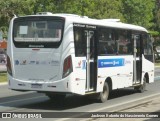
point(37, 86)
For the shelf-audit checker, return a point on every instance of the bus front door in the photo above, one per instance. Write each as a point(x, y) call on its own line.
point(137, 61)
point(91, 61)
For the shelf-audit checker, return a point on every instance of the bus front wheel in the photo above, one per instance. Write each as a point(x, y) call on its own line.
point(103, 96)
point(142, 87)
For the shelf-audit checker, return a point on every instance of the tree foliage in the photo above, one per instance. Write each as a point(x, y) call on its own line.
point(107, 9)
point(140, 12)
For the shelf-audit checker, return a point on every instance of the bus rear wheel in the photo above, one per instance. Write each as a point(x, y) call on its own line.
point(103, 96)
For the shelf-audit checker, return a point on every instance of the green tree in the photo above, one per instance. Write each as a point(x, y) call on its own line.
point(157, 15)
point(10, 7)
point(139, 12)
point(107, 9)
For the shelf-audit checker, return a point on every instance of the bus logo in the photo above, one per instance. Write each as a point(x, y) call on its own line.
point(79, 64)
point(16, 62)
point(24, 62)
point(102, 63)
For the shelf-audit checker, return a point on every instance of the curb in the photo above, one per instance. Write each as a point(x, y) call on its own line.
point(119, 107)
point(129, 104)
point(134, 103)
point(3, 83)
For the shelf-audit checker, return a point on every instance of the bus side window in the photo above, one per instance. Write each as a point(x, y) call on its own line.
point(80, 40)
point(101, 45)
point(124, 44)
point(148, 47)
point(106, 42)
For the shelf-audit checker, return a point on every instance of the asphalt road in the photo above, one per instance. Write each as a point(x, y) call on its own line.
point(13, 101)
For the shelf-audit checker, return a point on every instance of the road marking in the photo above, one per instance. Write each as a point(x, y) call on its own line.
point(21, 100)
point(112, 106)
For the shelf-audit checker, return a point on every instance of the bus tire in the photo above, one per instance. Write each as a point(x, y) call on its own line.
point(103, 96)
point(142, 87)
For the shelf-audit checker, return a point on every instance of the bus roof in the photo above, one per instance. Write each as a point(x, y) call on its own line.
point(73, 18)
point(115, 23)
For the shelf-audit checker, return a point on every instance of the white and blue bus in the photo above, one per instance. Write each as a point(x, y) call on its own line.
point(59, 54)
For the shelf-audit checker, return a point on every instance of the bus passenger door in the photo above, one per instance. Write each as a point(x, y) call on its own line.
point(91, 61)
point(137, 61)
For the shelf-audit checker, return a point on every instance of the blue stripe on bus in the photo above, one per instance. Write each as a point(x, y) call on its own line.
point(102, 63)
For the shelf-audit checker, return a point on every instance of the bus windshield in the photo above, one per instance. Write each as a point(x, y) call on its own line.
point(37, 30)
